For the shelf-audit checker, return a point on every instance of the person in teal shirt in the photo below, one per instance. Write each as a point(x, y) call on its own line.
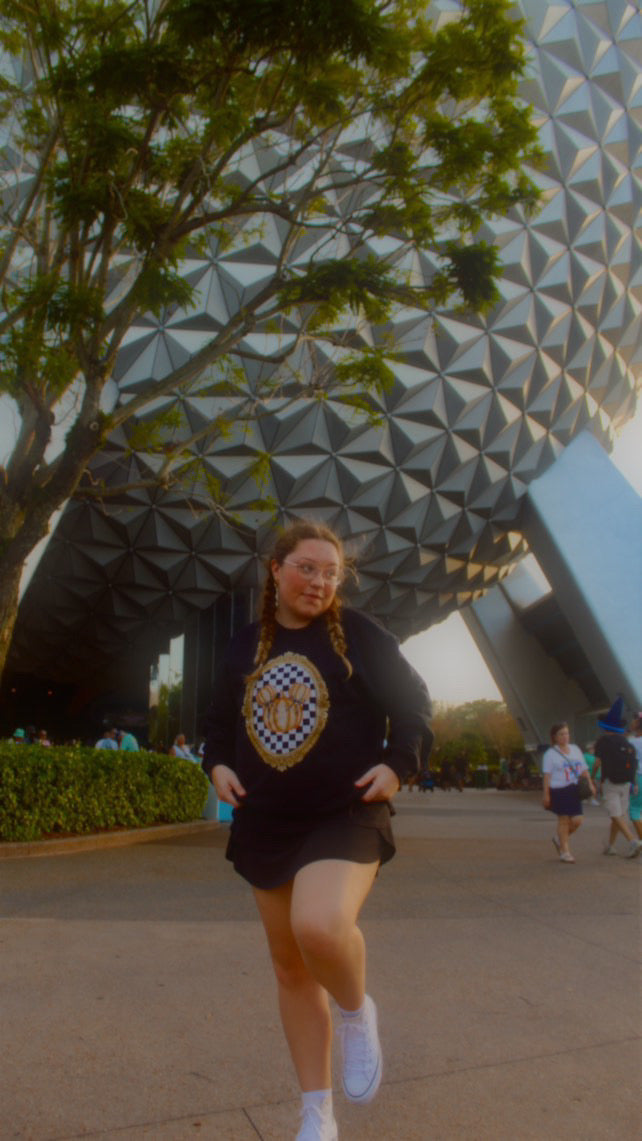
point(127, 743)
point(589, 757)
point(635, 800)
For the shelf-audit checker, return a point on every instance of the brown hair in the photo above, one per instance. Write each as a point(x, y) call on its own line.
point(554, 729)
point(283, 546)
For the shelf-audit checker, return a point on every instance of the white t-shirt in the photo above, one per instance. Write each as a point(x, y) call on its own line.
point(183, 751)
point(637, 745)
point(563, 768)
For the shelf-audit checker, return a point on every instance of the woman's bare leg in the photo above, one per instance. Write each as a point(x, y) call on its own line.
point(316, 948)
point(327, 897)
point(303, 1002)
point(562, 832)
point(566, 826)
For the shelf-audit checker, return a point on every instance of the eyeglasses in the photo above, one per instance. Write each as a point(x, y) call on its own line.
point(330, 575)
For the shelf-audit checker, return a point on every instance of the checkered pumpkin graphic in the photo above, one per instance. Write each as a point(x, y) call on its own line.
point(285, 710)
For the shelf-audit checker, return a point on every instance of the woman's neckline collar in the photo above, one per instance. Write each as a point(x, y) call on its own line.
point(298, 629)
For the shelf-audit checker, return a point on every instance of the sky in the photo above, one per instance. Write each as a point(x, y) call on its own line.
point(446, 655)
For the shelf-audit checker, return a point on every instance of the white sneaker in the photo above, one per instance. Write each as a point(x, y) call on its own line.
point(317, 1125)
point(610, 850)
point(362, 1060)
point(634, 849)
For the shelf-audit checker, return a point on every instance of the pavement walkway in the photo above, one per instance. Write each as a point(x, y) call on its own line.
point(138, 1000)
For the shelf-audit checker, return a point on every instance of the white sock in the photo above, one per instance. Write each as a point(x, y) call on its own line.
point(320, 1097)
point(352, 1013)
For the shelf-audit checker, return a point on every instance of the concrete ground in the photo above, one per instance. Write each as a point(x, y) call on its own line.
point(138, 999)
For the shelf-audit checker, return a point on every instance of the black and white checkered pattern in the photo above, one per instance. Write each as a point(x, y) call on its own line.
point(281, 674)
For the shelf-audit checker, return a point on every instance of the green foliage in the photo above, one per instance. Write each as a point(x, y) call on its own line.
point(363, 376)
point(350, 283)
point(164, 716)
point(481, 731)
point(136, 120)
point(471, 271)
point(61, 790)
point(137, 136)
point(473, 747)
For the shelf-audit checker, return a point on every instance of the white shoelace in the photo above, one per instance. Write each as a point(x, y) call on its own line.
point(358, 1044)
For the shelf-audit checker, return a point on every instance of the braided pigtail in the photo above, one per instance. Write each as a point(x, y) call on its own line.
point(267, 629)
point(337, 634)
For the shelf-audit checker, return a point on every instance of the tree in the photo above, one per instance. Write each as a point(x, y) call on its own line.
point(165, 716)
point(140, 134)
point(484, 723)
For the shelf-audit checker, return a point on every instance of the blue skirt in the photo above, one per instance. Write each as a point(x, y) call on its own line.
point(566, 801)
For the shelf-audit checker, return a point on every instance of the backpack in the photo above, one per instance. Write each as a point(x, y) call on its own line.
point(626, 766)
point(619, 762)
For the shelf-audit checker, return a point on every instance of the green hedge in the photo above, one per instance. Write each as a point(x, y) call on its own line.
point(69, 790)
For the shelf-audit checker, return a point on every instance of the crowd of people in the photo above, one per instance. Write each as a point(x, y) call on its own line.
point(614, 761)
point(30, 736)
point(110, 737)
point(518, 773)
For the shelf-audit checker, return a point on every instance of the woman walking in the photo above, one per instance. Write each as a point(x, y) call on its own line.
point(317, 719)
point(561, 767)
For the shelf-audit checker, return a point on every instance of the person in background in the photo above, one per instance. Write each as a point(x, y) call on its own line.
point(127, 743)
point(180, 748)
point(635, 802)
point(561, 767)
point(42, 739)
point(108, 740)
point(19, 737)
point(589, 757)
point(295, 743)
point(616, 762)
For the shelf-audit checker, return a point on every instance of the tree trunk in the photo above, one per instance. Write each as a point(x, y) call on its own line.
point(9, 595)
point(21, 529)
point(26, 511)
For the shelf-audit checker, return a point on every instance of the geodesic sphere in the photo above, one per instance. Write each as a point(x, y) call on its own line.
point(428, 499)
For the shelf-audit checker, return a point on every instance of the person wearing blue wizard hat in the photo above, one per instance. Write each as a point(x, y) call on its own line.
point(616, 759)
point(614, 722)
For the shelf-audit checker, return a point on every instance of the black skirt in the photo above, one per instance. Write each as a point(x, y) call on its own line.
point(566, 801)
point(269, 853)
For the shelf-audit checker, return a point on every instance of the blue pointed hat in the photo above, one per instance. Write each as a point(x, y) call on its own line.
point(614, 722)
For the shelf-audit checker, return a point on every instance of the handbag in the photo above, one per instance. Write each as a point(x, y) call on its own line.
point(583, 786)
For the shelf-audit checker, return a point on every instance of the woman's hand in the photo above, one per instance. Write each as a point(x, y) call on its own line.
point(228, 786)
point(382, 782)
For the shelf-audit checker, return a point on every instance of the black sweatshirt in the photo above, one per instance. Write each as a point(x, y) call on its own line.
point(300, 735)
